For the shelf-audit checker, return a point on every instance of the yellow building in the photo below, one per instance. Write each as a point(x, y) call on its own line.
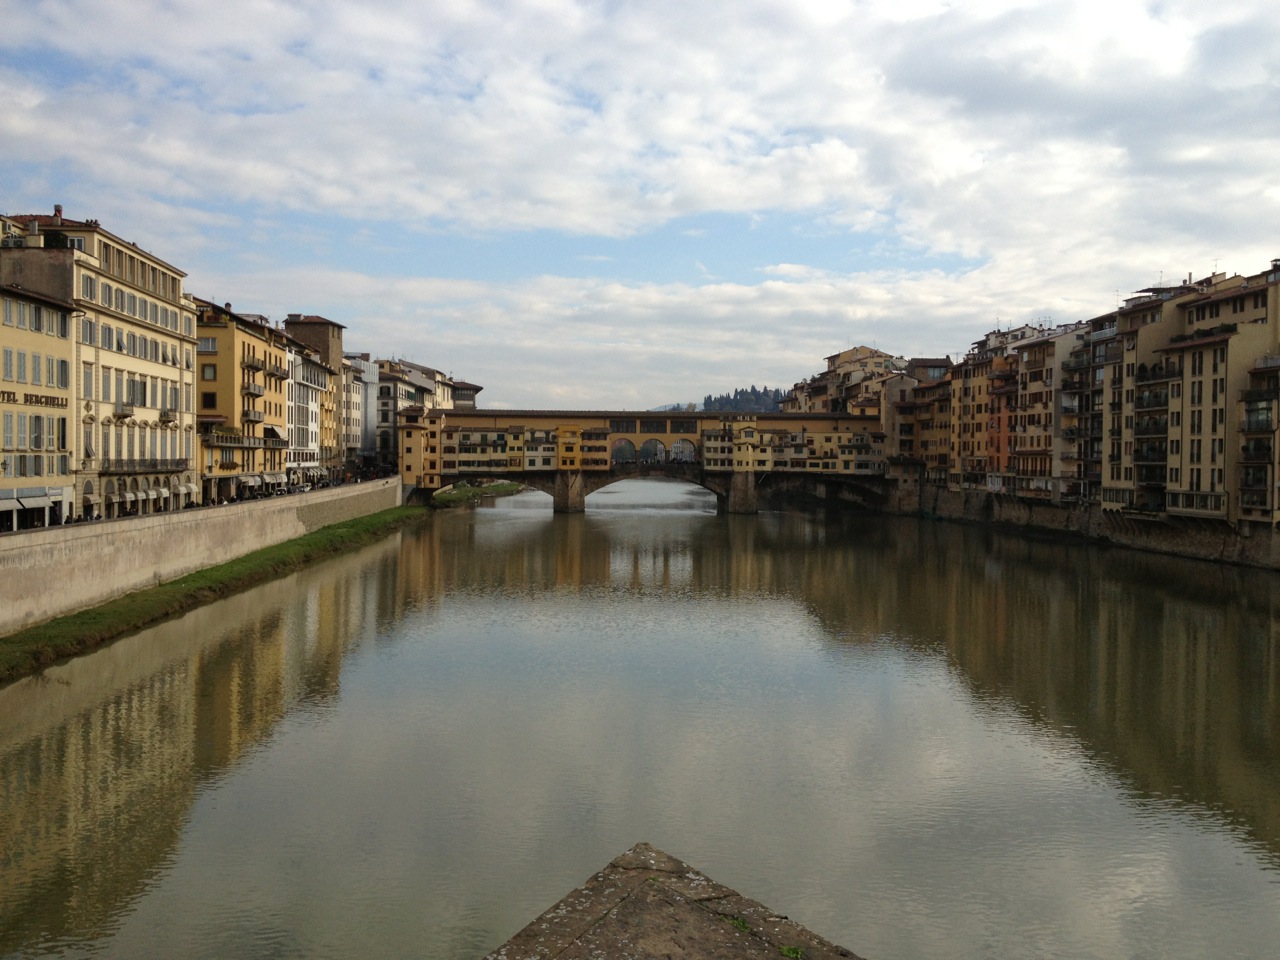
point(37, 407)
point(1221, 430)
point(242, 379)
point(132, 441)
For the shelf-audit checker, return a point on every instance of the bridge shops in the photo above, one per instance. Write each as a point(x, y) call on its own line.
point(572, 453)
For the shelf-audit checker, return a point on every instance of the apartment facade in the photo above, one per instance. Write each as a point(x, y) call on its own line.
point(131, 443)
point(243, 376)
point(37, 408)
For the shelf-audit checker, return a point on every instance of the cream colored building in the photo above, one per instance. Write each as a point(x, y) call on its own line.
point(37, 408)
point(131, 441)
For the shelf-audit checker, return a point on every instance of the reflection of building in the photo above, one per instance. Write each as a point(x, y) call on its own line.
point(98, 783)
point(130, 343)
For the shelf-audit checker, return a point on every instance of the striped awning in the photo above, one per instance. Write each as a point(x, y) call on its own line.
point(35, 503)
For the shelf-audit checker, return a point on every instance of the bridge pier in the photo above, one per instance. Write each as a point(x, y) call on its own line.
point(742, 493)
point(569, 495)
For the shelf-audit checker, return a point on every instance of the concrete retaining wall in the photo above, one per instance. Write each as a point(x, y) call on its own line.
point(48, 573)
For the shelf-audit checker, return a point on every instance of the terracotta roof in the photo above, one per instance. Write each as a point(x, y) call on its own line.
point(44, 220)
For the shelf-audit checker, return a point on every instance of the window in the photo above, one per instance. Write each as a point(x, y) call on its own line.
point(88, 381)
point(208, 371)
point(8, 363)
point(37, 378)
point(8, 313)
point(208, 401)
point(22, 367)
point(88, 289)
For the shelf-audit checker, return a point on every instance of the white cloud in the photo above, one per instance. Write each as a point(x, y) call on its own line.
point(1062, 149)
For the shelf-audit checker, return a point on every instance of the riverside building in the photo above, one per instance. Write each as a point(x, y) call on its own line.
point(243, 372)
point(129, 348)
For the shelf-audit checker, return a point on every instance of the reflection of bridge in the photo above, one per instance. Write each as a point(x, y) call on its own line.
point(570, 454)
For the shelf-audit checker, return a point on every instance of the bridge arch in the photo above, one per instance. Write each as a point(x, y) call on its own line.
point(684, 451)
point(653, 450)
point(623, 451)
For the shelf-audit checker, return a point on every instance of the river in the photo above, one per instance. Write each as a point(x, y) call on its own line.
point(919, 739)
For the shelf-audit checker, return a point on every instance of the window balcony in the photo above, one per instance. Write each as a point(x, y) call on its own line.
point(124, 408)
point(253, 363)
point(251, 416)
point(168, 415)
point(252, 389)
point(1263, 424)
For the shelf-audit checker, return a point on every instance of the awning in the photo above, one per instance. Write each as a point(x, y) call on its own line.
point(189, 488)
point(129, 496)
point(35, 503)
point(277, 478)
point(151, 494)
point(251, 481)
point(271, 433)
point(112, 498)
point(163, 493)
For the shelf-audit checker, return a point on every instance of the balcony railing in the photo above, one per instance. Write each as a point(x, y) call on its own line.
point(275, 370)
point(1264, 424)
point(1158, 373)
point(1152, 401)
point(1151, 428)
point(1156, 453)
point(1256, 453)
point(168, 415)
point(124, 408)
point(252, 389)
point(252, 416)
point(253, 363)
point(1263, 393)
point(1075, 363)
point(142, 466)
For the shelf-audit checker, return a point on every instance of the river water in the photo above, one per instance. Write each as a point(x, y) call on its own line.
point(921, 740)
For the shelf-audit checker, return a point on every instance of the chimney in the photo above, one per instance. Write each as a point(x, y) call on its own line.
point(34, 239)
point(1275, 264)
point(226, 307)
point(57, 214)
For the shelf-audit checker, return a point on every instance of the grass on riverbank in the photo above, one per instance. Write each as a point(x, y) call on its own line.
point(459, 494)
point(28, 650)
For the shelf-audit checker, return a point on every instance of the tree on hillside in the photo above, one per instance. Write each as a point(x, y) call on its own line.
point(751, 399)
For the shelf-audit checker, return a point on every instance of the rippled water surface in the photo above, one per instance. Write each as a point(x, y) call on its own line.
point(921, 740)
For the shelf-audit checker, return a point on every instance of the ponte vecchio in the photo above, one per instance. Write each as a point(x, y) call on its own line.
point(571, 454)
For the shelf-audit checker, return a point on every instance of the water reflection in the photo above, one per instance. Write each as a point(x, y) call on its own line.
point(920, 739)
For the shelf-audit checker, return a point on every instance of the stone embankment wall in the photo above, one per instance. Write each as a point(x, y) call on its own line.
point(1252, 545)
point(51, 572)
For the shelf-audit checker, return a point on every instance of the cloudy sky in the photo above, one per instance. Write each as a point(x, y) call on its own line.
point(623, 204)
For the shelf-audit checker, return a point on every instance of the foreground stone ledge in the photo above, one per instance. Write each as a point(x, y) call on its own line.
point(647, 905)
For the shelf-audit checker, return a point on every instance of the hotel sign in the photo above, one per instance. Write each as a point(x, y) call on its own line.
point(34, 399)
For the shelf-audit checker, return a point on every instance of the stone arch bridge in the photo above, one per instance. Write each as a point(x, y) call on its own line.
point(739, 457)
